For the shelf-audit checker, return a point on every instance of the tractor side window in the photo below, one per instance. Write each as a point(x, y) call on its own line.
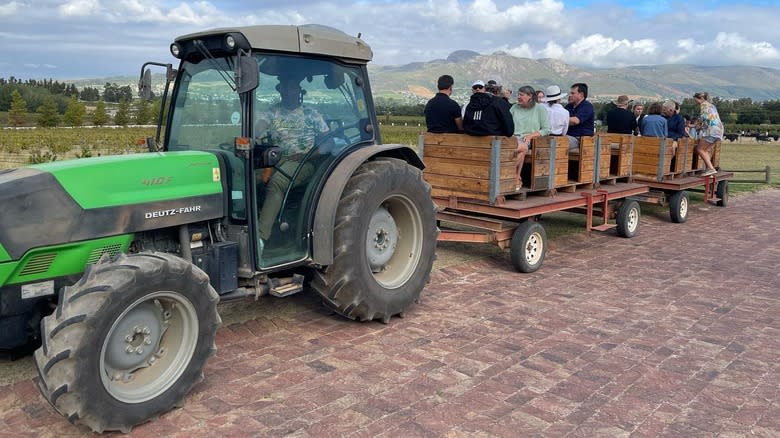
point(207, 117)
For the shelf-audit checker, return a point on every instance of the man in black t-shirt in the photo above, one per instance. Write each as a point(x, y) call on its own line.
point(442, 114)
point(619, 119)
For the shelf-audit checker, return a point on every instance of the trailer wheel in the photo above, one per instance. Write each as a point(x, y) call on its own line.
point(384, 242)
point(627, 219)
point(722, 192)
point(528, 246)
point(128, 341)
point(678, 206)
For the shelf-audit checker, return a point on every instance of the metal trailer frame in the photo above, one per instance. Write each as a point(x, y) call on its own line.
point(480, 222)
point(671, 192)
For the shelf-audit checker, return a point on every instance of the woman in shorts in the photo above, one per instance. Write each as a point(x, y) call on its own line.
point(711, 131)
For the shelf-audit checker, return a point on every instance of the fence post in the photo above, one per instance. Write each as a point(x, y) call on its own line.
point(767, 178)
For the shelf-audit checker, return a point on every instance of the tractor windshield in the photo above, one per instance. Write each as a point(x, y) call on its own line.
point(207, 111)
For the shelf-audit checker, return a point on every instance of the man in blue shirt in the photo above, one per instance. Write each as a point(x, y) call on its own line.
point(581, 115)
point(442, 114)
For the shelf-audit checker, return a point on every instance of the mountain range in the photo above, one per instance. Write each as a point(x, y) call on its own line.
point(417, 81)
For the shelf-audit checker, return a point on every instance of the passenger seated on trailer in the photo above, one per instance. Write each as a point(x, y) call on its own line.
point(654, 124)
point(675, 123)
point(442, 114)
point(619, 119)
point(487, 114)
point(581, 115)
point(559, 117)
point(531, 121)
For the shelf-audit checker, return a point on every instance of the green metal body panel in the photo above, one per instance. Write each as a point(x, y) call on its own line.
point(4, 254)
point(133, 179)
point(60, 260)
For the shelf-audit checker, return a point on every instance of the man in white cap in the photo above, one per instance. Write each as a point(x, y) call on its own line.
point(477, 87)
point(559, 116)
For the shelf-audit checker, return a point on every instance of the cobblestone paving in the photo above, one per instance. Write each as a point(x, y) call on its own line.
point(674, 333)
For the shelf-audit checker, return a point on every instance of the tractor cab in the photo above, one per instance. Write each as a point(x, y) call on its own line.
point(295, 116)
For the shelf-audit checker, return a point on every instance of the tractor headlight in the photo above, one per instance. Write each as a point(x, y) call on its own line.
point(175, 50)
point(230, 42)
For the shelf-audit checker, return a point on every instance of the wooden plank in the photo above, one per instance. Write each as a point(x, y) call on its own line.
point(467, 169)
point(446, 193)
point(471, 141)
point(689, 156)
point(471, 185)
point(465, 153)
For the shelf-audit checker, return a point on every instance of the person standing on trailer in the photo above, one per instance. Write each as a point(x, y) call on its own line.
point(711, 131)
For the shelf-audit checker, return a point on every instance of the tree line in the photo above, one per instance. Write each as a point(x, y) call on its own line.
point(735, 113)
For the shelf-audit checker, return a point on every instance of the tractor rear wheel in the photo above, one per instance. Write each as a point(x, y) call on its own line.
point(384, 242)
point(128, 341)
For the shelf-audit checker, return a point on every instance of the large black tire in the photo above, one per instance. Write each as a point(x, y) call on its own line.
point(528, 246)
point(128, 341)
point(722, 192)
point(627, 219)
point(679, 204)
point(384, 242)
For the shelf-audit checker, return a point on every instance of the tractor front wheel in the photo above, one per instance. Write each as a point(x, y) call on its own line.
point(383, 242)
point(128, 341)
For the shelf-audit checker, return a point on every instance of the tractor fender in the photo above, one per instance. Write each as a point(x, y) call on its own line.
point(325, 214)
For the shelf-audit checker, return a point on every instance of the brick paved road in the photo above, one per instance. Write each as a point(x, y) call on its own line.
point(673, 333)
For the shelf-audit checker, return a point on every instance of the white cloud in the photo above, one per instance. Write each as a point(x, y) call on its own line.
point(727, 48)
point(523, 51)
point(9, 9)
point(552, 50)
point(399, 31)
point(200, 14)
point(600, 51)
point(79, 8)
point(486, 16)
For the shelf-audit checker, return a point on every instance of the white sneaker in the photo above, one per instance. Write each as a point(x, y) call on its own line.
point(710, 171)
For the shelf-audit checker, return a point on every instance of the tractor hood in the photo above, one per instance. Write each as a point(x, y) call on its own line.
point(83, 199)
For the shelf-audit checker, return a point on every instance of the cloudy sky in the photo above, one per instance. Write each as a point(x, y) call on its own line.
point(70, 39)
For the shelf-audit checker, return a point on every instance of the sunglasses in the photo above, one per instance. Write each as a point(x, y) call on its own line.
point(477, 87)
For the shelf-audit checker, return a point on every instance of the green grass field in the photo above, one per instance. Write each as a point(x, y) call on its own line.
point(20, 147)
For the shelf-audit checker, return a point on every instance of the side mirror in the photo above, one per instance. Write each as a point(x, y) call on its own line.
point(145, 85)
point(247, 73)
point(266, 156)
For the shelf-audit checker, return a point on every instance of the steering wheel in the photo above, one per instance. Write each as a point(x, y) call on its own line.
point(326, 143)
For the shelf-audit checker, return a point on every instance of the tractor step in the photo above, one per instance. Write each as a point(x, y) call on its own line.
point(284, 287)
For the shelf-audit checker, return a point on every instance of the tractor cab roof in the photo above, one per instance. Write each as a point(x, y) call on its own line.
point(305, 39)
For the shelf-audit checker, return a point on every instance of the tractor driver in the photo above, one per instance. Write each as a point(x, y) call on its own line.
point(294, 128)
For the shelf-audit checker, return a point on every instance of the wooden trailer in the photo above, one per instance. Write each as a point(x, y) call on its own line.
point(670, 173)
point(472, 185)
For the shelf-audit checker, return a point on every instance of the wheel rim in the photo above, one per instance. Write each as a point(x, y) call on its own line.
point(683, 206)
point(394, 241)
point(149, 347)
point(633, 220)
point(533, 248)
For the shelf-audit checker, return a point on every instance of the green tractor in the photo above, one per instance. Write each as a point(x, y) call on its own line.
point(270, 177)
